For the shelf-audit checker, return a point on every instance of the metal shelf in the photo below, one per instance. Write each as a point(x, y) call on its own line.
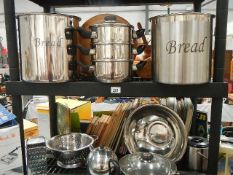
point(217, 90)
point(57, 3)
point(129, 89)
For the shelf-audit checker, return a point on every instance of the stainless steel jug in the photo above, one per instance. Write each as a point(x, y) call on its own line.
point(182, 48)
point(43, 46)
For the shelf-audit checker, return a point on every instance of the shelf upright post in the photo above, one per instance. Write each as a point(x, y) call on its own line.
point(216, 107)
point(9, 8)
point(197, 6)
point(52, 103)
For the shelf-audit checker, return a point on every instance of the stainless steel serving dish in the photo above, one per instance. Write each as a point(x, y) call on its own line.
point(182, 47)
point(71, 150)
point(43, 46)
point(156, 129)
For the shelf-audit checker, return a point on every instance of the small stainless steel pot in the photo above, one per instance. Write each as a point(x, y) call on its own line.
point(43, 46)
point(182, 47)
point(103, 161)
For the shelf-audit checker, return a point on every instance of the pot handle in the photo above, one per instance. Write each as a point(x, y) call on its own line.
point(85, 51)
point(95, 137)
point(140, 65)
point(140, 33)
point(86, 34)
point(139, 50)
point(69, 31)
point(110, 18)
point(115, 169)
point(71, 50)
point(202, 155)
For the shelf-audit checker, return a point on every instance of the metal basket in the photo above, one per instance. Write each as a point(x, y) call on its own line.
point(71, 150)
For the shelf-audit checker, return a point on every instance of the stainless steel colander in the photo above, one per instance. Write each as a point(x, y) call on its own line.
point(71, 150)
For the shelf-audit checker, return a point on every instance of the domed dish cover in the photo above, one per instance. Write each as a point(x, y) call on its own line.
point(100, 159)
point(146, 164)
point(156, 129)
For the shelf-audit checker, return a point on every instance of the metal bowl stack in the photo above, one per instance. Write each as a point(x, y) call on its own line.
point(71, 150)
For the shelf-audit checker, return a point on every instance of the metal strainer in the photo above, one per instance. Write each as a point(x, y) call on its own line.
point(71, 150)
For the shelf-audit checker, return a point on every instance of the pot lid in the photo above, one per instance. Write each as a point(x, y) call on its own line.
point(157, 129)
point(198, 142)
point(146, 164)
point(48, 14)
point(111, 20)
point(185, 14)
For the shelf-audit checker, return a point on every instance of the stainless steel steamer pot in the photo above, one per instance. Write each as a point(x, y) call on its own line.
point(43, 46)
point(112, 52)
point(182, 48)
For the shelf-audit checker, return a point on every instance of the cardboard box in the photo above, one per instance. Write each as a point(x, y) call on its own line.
point(30, 129)
point(10, 148)
point(83, 108)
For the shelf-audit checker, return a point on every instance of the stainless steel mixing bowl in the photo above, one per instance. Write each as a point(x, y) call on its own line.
point(156, 129)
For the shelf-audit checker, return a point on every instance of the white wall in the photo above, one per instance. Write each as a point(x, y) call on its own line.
point(21, 6)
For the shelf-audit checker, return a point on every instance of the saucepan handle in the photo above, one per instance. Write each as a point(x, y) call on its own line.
point(69, 33)
point(202, 155)
point(95, 137)
point(114, 167)
point(87, 34)
point(141, 65)
point(110, 18)
point(71, 50)
point(140, 33)
point(139, 50)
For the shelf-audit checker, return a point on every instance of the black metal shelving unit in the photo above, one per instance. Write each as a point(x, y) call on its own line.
point(217, 90)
